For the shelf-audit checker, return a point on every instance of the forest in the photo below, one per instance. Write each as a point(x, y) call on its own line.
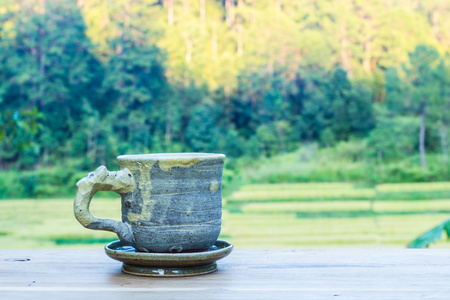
point(84, 81)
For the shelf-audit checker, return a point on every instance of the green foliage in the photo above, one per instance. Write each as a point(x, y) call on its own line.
point(17, 133)
point(201, 132)
point(231, 143)
point(45, 182)
point(431, 236)
point(393, 138)
point(84, 82)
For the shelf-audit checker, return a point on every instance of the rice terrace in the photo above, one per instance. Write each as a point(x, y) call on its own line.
point(297, 215)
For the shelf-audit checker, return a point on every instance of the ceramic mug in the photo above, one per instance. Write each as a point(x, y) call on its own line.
point(170, 202)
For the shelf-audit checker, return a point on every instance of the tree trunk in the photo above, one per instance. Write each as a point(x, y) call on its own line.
point(95, 146)
point(42, 73)
point(345, 52)
point(203, 13)
point(380, 156)
point(240, 32)
point(127, 16)
point(282, 56)
point(45, 155)
point(214, 38)
point(252, 12)
point(88, 144)
point(170, 14)
point(269, 66)
point(168, 135)
point(188, 47)
point(42, 6)
point(443, 132)
point(435, 22)
point(423, 162)
point(367, 65)
point(278, 5)
point(92, 141)
point(229, 9)
point(41, 55)
point(240, 28)
point(388, 4)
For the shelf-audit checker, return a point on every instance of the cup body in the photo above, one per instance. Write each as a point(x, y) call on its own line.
point(177, 202)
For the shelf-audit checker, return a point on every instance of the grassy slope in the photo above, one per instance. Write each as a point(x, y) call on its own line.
point(346, 162)
point(311, 217)
point(50, 224)
point(272, 223)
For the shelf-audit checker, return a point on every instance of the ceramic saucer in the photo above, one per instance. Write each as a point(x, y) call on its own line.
point(168, 264)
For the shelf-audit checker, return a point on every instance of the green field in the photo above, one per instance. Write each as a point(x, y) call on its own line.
point(335, 215)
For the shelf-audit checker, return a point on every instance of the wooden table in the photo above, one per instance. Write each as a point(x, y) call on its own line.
point(244, 274)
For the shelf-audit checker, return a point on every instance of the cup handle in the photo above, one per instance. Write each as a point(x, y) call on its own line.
point(121, 182)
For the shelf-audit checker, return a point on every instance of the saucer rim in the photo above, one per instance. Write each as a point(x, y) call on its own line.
point(181, 259)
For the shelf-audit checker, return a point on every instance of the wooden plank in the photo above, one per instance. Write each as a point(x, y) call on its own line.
point(352, 274)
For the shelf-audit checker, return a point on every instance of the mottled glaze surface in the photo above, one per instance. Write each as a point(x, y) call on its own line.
point(170, 202)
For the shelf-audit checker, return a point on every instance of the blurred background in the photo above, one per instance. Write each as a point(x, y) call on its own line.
point(334, 115)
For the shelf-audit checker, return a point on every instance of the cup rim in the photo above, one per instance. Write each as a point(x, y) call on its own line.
point(171, 156)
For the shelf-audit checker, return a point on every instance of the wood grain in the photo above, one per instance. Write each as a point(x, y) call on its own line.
point(267, 274)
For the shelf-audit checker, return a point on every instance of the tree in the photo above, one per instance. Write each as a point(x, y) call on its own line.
point(18, 131)
point(440, 108)
point(135, 94)
point(421, 76)
point(201, 133)
point(396, 92)
point(124, 76)
point(393, 137)
point(50, 71)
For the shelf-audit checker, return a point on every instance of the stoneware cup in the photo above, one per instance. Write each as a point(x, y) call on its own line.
point(170, 202)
